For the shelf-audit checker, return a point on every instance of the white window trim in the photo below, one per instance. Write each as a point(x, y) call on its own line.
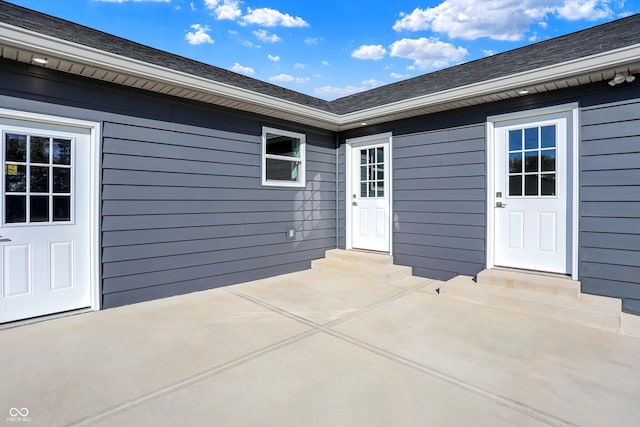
point(302, 159)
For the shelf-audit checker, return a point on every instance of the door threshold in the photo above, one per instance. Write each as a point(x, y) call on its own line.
point(369, 251)
point(38, 319)
point(534, 272)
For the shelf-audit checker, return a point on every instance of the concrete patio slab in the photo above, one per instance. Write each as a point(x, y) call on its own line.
point(322, 381)
point(580, 375)
point(317, 349)
point(319, 297)
point(66, 369)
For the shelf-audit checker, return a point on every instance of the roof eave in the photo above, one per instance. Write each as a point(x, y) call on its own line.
point(609, 63)
point(244, 99)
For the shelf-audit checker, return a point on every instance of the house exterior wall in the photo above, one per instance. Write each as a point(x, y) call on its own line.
point(182, 204)
point(439, 188)
point(610, 201)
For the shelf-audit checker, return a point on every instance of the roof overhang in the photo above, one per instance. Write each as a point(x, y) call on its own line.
point(24, 45)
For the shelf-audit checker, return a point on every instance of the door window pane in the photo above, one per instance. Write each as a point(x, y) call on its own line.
point(531, 185)
point(530, 138)
point(39, 149)
point(548, 184)
point(515, 140)
point(515, 162)
point(15, 178)
point(548, 137)
point(16, 209)
point(61, 151)
point(61, 180)
point(39, 211)
point(531, 161)
point(39, 179)
point(548, 160)
point(16, 147)
point(62, 208)
point(515, 185)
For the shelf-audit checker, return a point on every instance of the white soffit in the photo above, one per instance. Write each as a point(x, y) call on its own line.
point(94, 63)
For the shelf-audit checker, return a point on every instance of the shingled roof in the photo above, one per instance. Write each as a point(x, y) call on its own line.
point(580, 45)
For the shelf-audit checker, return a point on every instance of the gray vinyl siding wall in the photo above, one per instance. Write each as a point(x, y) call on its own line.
point(182, 204)
point(610, 202)
point(439, 193)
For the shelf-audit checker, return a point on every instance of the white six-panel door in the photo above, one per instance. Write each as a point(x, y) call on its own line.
point(532, 194)
point(45, 224)
point(370, 195)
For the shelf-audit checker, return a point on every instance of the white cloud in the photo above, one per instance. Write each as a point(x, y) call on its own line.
point(312, 40)
point(488, 52)
point(199, 36)
point(267, 17)
point(428, 53)
point(193, 6)
point(286, 78)
point(298, 66)
point(574, 10)
point(325, 63)
point(224, 9)
point(332, 92)
point(497, 19)
point(242, 70)
point(264, 36)
point(274, 58)
point(372, 52)
point(399, 76)
point(372, 83)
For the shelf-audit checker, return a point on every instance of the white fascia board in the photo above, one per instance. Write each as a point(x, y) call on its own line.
point(609, 60)
point(56, 48)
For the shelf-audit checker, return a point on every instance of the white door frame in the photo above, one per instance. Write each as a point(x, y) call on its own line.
point(388, 136)
point(94, 185)
point(573, 175)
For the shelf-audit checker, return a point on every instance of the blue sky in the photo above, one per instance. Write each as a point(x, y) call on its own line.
point(333, 48)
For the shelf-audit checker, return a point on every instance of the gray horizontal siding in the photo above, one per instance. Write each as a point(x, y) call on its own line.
point(610, 202)
point(439, 201)
point(185, 211)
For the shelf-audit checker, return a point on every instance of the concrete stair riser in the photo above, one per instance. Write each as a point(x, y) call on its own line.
point(385, 274)
point(530, 282)
point(360, 258)
point(371, 266)
point(588, 310)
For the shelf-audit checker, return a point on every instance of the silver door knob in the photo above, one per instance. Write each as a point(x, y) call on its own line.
point(355, 203)
point(501, 205)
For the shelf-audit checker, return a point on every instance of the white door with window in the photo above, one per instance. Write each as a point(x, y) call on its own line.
point(370, 195)
point(532, 194)
point(45, 230)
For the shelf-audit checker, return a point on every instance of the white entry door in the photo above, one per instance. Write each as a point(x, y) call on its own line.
point(370, 196)
point(532, 194)
point(45, 208)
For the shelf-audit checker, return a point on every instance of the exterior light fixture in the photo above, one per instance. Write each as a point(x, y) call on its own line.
point(40, 60)
point(621, 78)
point(523, 92)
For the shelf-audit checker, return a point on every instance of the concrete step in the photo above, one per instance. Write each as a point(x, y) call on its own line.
point(531, 282)
point(375, 267)
point(361, 258)
point(589, 310)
